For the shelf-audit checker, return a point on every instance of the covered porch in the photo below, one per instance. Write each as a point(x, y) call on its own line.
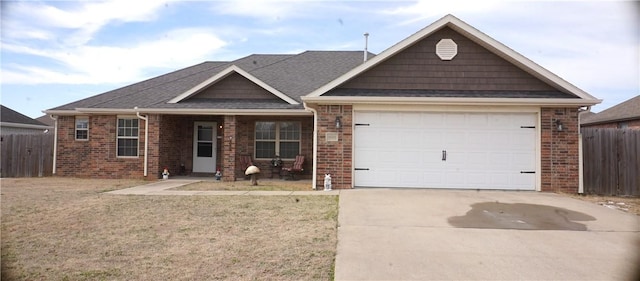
point(201, 145)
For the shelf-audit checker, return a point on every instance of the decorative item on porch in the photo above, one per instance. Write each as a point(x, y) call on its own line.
point(253, 171)
point(165, 173)
point(276, 164)
point(218, 174)
point(327, 182)
point(276, 161)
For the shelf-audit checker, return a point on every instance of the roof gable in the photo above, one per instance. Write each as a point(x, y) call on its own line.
point(221, 77)
point(478, 38)
point(474, 68)
point(234, 86)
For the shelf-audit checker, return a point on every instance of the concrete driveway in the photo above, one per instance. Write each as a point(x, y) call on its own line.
point(388, 234)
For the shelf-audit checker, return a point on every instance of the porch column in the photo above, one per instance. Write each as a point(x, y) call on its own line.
point(229, 148)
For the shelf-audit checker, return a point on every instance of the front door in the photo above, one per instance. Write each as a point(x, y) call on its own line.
point(204, 147)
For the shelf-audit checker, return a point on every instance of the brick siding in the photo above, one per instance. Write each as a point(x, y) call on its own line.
point(95, 158)
point(335, 157)
point(559, 150)
point(170, 146)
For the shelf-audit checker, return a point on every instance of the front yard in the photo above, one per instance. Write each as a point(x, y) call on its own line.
point(67, 229)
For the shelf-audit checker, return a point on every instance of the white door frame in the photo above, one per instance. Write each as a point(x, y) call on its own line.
point(204, 164)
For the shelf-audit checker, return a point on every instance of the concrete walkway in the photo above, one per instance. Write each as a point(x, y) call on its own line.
point(164, 188)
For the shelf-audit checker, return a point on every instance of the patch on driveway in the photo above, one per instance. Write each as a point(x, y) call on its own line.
point(521, 216)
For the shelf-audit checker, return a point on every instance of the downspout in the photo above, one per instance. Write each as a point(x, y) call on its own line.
point(146, 139)
point(314, 176)
point(55, 141)
point(580, 155)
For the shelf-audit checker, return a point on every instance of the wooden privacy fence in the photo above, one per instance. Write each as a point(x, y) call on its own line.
point(26, 156)
point(611, 161)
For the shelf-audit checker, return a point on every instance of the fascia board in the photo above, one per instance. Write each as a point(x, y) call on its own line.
point(476, 36)
point(449, 101)
point(226, 72)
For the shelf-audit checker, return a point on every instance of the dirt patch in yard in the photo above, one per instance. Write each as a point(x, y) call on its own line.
point(67, 229)
point(625, 204)
point(267, 184)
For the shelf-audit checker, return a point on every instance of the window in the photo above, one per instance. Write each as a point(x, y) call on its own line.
point(82, 128)
point(277, 138)
point(127, 140)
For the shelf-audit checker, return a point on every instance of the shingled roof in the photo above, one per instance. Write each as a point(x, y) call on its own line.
point(8, 115)
point(292, 75)
point(628, 110)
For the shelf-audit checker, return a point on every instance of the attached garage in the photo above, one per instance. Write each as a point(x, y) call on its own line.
point(445, 150)
point(449, 107)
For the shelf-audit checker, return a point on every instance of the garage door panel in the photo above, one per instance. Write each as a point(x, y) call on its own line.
point(484, 150)
point(432, 120)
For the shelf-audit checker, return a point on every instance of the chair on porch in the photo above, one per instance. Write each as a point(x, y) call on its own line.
point(245, 162)
point(296, 167)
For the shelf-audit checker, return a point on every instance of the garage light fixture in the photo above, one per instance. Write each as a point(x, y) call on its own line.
point(338, 122)
point(559, 126)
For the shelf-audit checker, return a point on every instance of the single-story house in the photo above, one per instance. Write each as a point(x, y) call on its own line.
point(16, 123)
point(623, 115)
point(447, 107)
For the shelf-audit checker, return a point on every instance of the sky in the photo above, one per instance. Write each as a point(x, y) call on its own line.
point(56, 52)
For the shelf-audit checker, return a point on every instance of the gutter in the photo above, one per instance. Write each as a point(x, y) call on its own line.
point(55, 142)
point(146, 140)
point(314, 176)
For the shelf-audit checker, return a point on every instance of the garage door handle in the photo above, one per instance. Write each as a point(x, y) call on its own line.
point(361, 169)
point(444, 155)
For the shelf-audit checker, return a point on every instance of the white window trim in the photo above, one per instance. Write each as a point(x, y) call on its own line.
point(137, 137)
point(276, 140)
point(75, 124)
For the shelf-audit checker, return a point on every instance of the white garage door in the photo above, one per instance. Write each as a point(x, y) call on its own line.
point(445, 150)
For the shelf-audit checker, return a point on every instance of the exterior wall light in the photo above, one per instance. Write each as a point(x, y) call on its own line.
point(338, 122)
point(559, 125)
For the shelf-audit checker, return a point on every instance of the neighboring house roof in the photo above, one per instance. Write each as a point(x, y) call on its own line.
point(627, 110)
point(577, 96)
point(46, 119)
point(287, 77)
point(12, 118)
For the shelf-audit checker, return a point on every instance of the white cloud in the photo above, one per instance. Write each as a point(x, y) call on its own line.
point(80, 21)
point(111, 64)
point(269, 10)
point(425, 9)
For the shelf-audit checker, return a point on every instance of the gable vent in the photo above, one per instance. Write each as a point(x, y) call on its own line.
point(446, 49)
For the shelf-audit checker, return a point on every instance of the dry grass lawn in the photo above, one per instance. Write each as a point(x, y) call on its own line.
point(66, 229)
